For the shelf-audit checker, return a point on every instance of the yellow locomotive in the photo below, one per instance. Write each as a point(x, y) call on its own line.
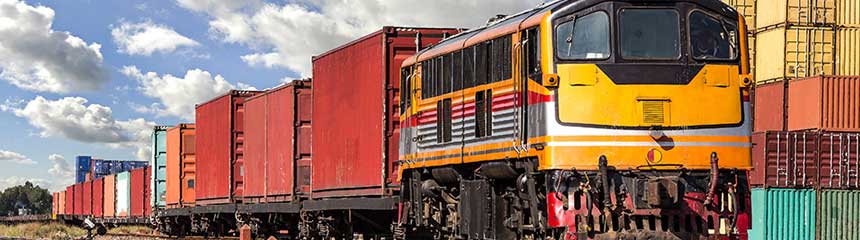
point(585, 119)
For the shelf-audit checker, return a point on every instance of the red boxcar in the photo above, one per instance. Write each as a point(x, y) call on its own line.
point(356, 114)
point(70, 200)
point(139, 183)
point(88, 198)
point(98, 197)
point(806, 159)
point(220, 139)
point(277, 140)
point(79, 199)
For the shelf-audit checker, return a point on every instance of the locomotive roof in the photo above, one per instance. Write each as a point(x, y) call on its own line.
point(530, 18)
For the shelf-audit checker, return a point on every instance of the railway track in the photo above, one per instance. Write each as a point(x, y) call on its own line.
point(112, 236)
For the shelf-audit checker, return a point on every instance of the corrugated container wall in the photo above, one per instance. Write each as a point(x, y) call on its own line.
point(70, 200)
point(839, 160)
point(110, 196)
point(98, 197)
point(797, 12)
point(848, 48)
point(180, 165)
point(356, 118)
point(806, 159)
point(88, 199)
point(277, 140)
point(830, 103)
point(123, 194)
point(55, 197)
point(138, 190)
point(848, 13)
point(79, 199)
point(147, 195)
point(769, 107)
point(220, 170)
point(783, 214)
point(159, 166)
point(839, 214)
point(794, 52)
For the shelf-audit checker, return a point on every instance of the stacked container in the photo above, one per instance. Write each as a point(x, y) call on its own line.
point(220, 131)
point(180, 166)
point(806, 158)
point(277, 143)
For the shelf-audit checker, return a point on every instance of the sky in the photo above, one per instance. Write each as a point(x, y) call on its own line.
point(87, 77)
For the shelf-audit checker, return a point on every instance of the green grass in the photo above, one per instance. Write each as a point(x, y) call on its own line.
point(42, 231)
point(130, 229)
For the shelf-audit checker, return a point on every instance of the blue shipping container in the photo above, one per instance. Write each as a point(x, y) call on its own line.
point(102, 168)
point(83, 166)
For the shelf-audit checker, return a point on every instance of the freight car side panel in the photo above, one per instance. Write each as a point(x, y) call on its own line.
point(159, 165)
point(70, 200)
point(180, 166)
point(79, 199)
point(147, 195)
point(123, 194)
point(255, 148)
point(213, 131)
point(188, 167)
point(138, 192)
point(110, 196)
point(356, 88)
point(769, 107)
point(827, 103)
point(98, 197)
point(62, 203)
point(281, 126)
point(88, 198)
point(238, 147)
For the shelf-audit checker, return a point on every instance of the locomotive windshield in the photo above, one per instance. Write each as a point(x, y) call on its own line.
point(650, 34)
point(712, 39)
point(584, 38)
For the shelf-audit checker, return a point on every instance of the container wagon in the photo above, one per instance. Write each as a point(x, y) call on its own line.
point(159, 167)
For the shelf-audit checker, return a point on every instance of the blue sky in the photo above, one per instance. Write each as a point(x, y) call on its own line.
point(92, 77)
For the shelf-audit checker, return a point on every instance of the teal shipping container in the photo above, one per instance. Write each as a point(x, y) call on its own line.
point(123, 194)
point(158, 162)
point(783, 214)
point(839, 214)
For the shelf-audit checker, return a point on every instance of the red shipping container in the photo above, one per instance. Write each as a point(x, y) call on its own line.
point(829, 103)
point(147, 194)
point(98, 197)
point(88, 198)
point(220, 138)
point(138, 190)
point(277, 139)
point(804, 159)
point(70, 200)
point(54, 206)
point(769, 107)
point(356, 112)
point(79, 199)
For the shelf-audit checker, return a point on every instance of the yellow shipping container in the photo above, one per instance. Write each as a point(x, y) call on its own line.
point(795, 12)
point(745, 8)
point(848, 51)
point(848, 13)
point(794, 52)
point(752, 47)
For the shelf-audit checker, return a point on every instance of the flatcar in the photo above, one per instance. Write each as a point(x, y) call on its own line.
point(586, 119)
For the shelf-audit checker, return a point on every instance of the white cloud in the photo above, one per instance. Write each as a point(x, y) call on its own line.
point(288, 35)
point(17, 158)
point(38, 58)
point(245, 86)
point(60, 168)
point(73, 118)
point(146, 37)
point(178, 96)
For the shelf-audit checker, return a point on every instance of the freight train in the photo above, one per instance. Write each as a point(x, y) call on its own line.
point(585, 119)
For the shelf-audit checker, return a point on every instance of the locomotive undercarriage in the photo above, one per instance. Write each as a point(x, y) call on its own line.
point(511, 200)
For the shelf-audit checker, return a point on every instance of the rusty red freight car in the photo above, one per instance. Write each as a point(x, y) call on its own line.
point(98, 197)
point(804, 159)
point(79, 199)
point(220, 145)
point(70, 201)
point(88, 198)
point(277, 143)
point(139, 192)
point(356, 111)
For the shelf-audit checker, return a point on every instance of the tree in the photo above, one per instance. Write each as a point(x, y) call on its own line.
point(29, 196)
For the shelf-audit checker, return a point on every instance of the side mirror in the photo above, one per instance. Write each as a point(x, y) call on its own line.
point(550, 80)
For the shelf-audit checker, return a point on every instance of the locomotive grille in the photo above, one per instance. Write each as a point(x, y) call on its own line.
point(653, 112)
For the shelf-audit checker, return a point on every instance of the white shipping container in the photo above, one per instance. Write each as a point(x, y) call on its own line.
point(123, 194)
